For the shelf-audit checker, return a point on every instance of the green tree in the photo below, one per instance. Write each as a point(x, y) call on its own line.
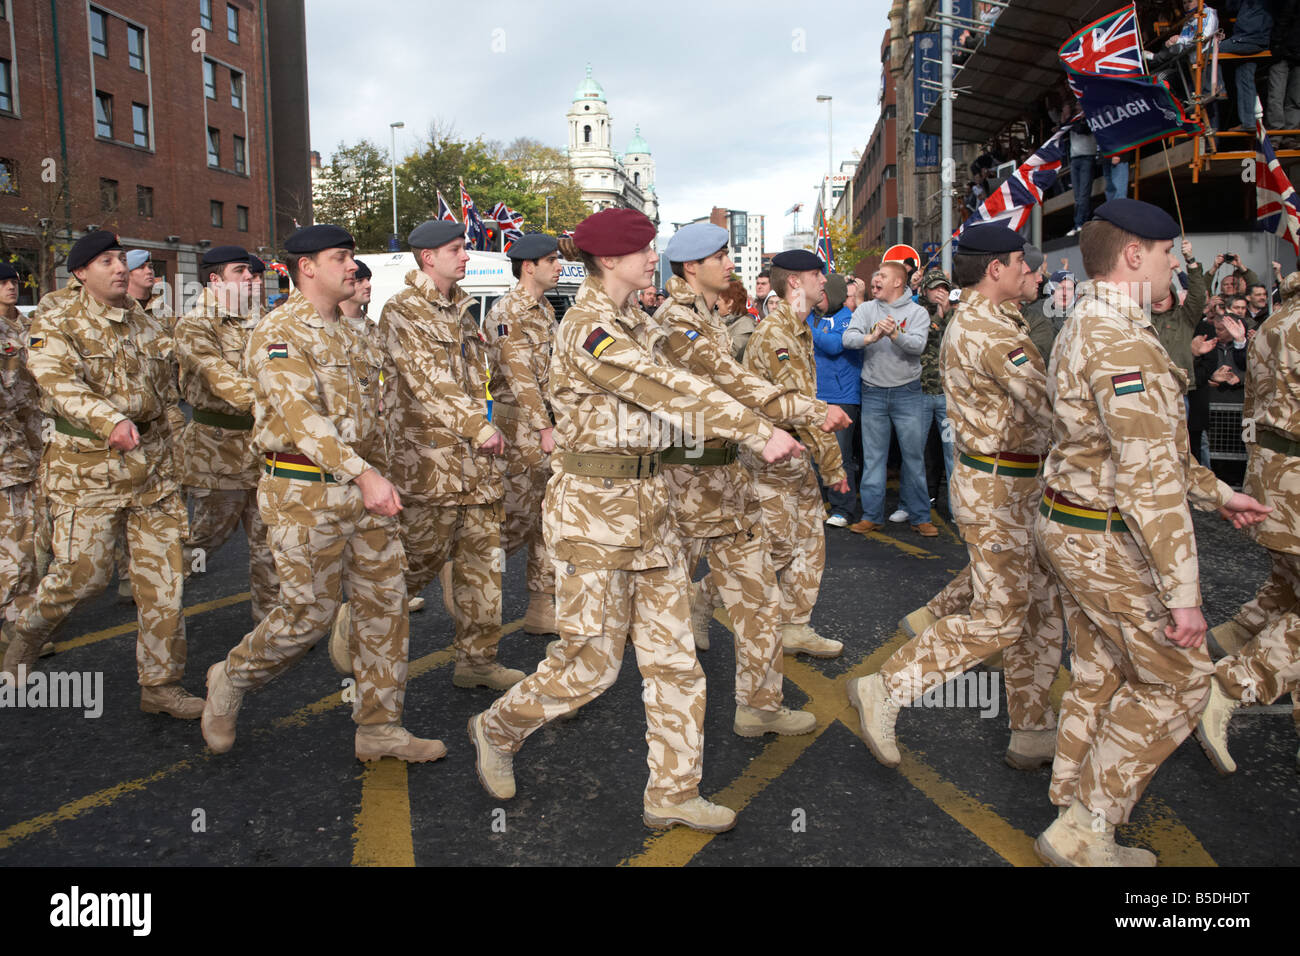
point(845, 244)
point(549, 174)
point(354, 192)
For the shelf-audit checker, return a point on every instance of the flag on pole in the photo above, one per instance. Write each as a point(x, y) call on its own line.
point(824, 242)
point(1110, 45)
point(1013, 201)
point(475, 234)
point(511, 236)
point(444, 211)
point(506, 217)
point(1275, 197)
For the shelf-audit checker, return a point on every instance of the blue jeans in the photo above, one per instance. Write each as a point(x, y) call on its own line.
point(1081, 182)
point(938, 416)
point(1116, 179)
point(906, 409)
point(847, 504)
point(1244, 79)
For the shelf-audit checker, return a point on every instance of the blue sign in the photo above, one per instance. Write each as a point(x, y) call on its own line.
point(925, 66)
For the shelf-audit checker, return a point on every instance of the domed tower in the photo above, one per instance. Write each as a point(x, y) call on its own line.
point(640, 167)
point(590, 125)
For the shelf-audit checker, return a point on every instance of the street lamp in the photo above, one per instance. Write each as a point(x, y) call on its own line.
point(830, 160)
point(392, 157)
point(548, 212)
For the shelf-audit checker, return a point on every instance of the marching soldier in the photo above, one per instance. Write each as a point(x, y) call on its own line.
point(714, 507)
point(221, 468)
point(103, 367)
point(618, 560)
point(995, 385)
point(520, 332)
point(1115, 524)
point(329, 511)
point(445, 451)
point(781, 351)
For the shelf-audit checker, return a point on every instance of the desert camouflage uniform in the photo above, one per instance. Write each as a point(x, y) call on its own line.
point(435, 390)
point(715, 507)
point(317, 398)
point(618, 560)
point(96, 367)
point(1120, 455)
point(20, 459)
point(995, 384)
point(781, 352)
point(221, 469)
point(520, 333)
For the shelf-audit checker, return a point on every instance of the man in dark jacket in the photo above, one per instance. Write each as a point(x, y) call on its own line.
point(1175, 323)
point(839, 382)
point(1283, 108)
point(1250, 34)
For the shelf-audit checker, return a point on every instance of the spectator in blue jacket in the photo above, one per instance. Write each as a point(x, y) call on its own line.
point(839, 382)
point(1251, 33)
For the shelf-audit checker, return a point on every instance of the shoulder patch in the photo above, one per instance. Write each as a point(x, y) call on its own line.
point(503, 330)
point(597, 341)
point(1017, 356)
point(782, 355)
point(36, 342)
point(278, 350)
point(1128, 383)
point(691, 334)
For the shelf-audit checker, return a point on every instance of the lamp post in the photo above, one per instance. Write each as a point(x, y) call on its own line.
point(392, 158)
point(830, 159)
point(548, 212)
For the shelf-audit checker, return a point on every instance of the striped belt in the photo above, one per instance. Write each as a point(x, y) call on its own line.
point(611, 466)
point(1009, 463)
point(65, 427)
point(681, 455)
point(1056, 507)
point(1266, 437)
point(284, 465)
point(239, 423)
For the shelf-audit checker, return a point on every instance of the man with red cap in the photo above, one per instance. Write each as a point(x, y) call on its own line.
point(618, 559)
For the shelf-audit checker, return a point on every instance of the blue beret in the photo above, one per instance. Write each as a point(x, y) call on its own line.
point(1139, 218)
point(696, 240)
point(7, 272)
point(435, 233)
point(989, 239)
point(363, 271)
point(255, 265)
point(798, 260)
point(310, 239)
point(221, 255)
point(89, 247)
point(135, 258)
point(534, 245)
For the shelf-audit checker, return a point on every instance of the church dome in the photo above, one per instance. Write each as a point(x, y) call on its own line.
point(589, 90)
point(638, 145)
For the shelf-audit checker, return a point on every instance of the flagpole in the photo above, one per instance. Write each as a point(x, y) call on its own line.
point(1164, 142)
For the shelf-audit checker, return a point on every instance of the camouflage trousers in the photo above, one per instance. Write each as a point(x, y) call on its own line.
point(955, 597)
point(17, 544)
point(323, 541)
point(522, 527)
point(217, 512)
point(740, 578)
point(81, 562)
point(1134, 696)
point(1269, 665)
point(595, 610)
point(1013, 605)
point(470, 537)
point(792, 524)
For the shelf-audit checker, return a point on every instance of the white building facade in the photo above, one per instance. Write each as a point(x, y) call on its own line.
point(608, 180)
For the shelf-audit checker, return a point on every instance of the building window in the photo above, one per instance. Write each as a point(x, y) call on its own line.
point(241, 218)
point(205, 14)
point(140, 125)
point(4, 9)
point(144, 201)
point(98, 32)
point(209, 79)
point(218, 214)
point(214, 147)
point(108, 195)
point(890, 172)
point(236, 90)
point(135, 47)
point(586, 134)
point(636, 179)
point(232, 23)
point(103, 115)
point(8, 177)
point(6, 85)
point(241, 165)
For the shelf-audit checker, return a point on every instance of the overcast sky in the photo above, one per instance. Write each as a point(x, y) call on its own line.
point(724, 92)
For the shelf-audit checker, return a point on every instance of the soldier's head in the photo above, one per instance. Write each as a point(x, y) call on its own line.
point(697, 254)
point(98, 262)
point(141, 280)
point(321, 264)
point(1257, 296)
point(363, 279)
point(440, 252)
point(258, 270)
point(763, 284)
point(8, 285)
point(1130, 243)
point(991, 259)
point(798, 279)
point(889, 281)
point(535, 261)
point(225, 271)
point(618, 248)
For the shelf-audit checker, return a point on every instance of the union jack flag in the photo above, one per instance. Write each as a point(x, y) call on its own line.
point(1275, 197)
point(1013, 201)
point(1110, 45)
point(444, 210)
point(511, 236)
point(506, 216)
point(824, 242)
point(475, 234)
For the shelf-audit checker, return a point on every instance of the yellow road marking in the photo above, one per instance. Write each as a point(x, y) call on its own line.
point(94, 637)
point(383, 821)
point(903, 546)
point(1167, 836)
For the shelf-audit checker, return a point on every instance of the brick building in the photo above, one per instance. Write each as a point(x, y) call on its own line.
point(165, 122)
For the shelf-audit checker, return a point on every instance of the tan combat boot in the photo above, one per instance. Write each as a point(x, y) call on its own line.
point(342, 648)
point(415, 605)
point(486, 675)
point(376, 741)
point(221, 710)
point(751, 722)
point(444, 580)
point(18, 654)
point(1227, 640)
point(171, 699)
point(1212, 731)
point(696, 813)
point(124, 595)
point(540, 616)
point(1031, 749)
point(494, 766)
point(701, 615)
point(1080, 838)
point(802, 639)
point(877, 715)
point(918, 621)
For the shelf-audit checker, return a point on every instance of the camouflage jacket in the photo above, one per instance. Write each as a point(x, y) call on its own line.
point(20, 412)
point(1120, 436)
point(931, 367)
point(614, 392)
point(1273, 402)
point(97, 366)
point(710, 501)
point(781, 351)
point(436, 369)
point(210, 346)
point(520, 333)
point(317, 390)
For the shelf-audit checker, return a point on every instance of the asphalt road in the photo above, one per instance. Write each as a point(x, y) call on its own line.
point(126, 788)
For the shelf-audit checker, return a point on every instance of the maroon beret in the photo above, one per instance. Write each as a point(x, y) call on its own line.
point(614, 232)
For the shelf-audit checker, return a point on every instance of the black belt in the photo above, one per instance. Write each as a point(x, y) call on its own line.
point(238, 423)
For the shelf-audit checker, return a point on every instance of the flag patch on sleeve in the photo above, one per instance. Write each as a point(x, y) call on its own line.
point(692, 334)
point(1017, 357)
point(36, 342)
point(1128, 383)
point(503, 330)
point(783, 355)
point(597, 341)
point(279, 350)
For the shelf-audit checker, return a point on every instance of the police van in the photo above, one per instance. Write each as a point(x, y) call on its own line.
point(487, 277)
